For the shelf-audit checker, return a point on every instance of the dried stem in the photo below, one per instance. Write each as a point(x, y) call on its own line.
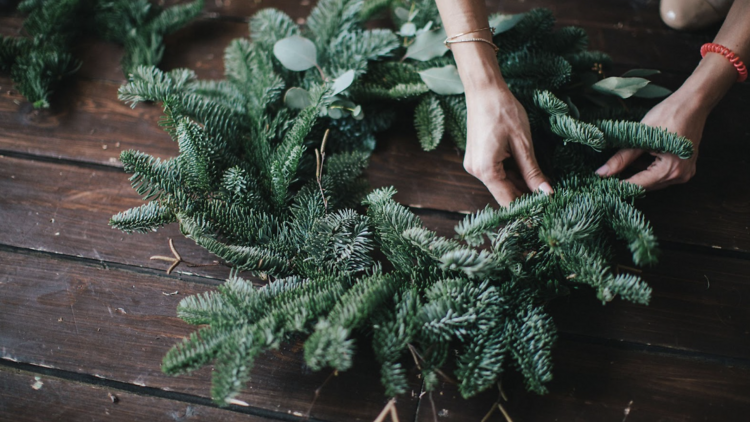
point(502, 409)
point(176, 259)
point(491, 411)
point(317, 392)
point(434, 409)
point(320, 158)
point(387, 411)
point(414, 353)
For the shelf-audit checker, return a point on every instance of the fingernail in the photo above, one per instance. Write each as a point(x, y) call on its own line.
point(546, 188)
point(603, 171)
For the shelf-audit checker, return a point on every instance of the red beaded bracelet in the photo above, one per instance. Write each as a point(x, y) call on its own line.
point(729, 54)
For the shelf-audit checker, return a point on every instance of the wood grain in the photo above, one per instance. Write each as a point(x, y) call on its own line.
point(117, 325)
point(27, 397)
point(65, 210)
point(598, 383)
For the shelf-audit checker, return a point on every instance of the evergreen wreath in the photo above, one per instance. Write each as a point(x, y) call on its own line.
point(38, 62)
point(269, 178)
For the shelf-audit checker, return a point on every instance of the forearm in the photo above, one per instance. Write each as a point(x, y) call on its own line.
point(476, 61)
point(715, 75)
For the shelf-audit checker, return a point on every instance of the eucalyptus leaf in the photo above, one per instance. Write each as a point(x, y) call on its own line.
point(401, 13)
point(335, 112)
point(640, 73)
point(443, 80)
point(652, 91)
point(427, 46)
point(357, 113)
point(503, 23)
point(622, 87)
point(413, 14)
point(408, 30)
point(343, 82)
point(297, 98)
point(296, 53)
point(426, 28)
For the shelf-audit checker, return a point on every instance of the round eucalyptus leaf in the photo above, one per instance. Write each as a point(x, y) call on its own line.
point(443, 80)
point(342, 82)
point(408, 29)
point(427, 45)
point(401, 13)
point(652, 91)
point(503, 23)
point(296, 53)
point(297, 98)
point(335, 112)
point(622, 87)
point(357, 113)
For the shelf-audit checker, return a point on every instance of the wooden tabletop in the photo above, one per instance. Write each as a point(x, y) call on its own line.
point(85, 316)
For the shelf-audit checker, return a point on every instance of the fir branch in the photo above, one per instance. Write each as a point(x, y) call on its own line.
point(572, 130)
point(622, 134)
point(429, 121)
point(145, 218)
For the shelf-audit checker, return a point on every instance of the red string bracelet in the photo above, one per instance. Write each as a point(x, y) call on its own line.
point(729, 54)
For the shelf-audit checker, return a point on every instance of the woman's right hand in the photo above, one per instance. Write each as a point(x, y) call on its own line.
point(498, 128)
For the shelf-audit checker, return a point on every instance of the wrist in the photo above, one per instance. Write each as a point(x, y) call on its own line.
point(478, 67)
point(710, 81)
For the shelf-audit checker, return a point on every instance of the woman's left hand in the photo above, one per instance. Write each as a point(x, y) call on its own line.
point(677, 113)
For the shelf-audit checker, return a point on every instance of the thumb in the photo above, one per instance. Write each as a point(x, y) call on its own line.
point(532, 174)
point(619, 162)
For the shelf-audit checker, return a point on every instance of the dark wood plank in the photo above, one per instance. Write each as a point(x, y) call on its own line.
point(600, 383)
point(700, 303)
point(65, 210)
point(27, 397)
point(117, 325)
point(86, 120)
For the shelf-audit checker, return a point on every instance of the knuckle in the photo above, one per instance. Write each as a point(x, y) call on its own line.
point(534, 173)
point(618, 160)
point(683, 175)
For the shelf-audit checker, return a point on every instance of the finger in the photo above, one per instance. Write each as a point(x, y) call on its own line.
point(523, 153)
point(650, 179)
point(502, 189)
point(619, 162)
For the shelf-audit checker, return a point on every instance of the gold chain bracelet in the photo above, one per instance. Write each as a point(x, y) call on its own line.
point(452, 39)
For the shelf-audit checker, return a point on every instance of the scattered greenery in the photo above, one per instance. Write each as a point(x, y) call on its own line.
point(37, 62)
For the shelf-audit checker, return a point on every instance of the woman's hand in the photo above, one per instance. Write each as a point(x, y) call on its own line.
point(498, 128)
point(684, 112)
point(678, 113)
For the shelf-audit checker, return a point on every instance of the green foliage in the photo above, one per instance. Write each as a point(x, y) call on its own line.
point(429, 120)
point(624, 134)
point(256, 184)
point(140, 27)
point(38, 63)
